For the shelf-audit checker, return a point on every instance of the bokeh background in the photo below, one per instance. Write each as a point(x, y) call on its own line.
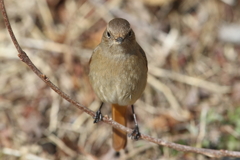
point(193, 91)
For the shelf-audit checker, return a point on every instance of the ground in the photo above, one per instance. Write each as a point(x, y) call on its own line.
point(193, 91)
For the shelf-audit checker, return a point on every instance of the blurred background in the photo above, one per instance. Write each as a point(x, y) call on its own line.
point(193, 91)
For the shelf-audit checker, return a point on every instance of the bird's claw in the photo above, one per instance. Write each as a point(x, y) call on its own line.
point(135, 135)
point(98, 117)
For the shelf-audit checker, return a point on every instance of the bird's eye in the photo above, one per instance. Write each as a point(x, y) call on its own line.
point(129, 33)
point(108, 35)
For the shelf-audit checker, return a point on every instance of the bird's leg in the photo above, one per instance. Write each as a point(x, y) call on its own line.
point(98, 115)
point(135, 134)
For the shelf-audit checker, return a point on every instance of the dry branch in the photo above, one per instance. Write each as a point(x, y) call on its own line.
point(23, 56)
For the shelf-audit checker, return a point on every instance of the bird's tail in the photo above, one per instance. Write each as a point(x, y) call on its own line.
point(119, 114)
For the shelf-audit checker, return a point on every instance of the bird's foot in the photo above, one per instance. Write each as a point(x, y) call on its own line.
point(98, 117)
point(135, 133)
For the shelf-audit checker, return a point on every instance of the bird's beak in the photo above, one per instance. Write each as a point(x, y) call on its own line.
point(119, 40)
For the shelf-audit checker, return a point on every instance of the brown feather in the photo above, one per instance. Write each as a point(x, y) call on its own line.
point(119, 114)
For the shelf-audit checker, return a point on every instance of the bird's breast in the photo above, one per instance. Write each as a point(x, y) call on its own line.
point(118, 79)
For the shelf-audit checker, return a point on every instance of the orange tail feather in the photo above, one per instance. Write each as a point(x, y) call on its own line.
point(119, 114)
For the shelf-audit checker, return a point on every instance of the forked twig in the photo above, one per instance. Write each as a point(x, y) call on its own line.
point(23, 56)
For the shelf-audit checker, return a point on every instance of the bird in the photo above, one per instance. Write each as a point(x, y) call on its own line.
point(118, 75)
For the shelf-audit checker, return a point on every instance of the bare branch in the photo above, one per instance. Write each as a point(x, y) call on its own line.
point(23, 56)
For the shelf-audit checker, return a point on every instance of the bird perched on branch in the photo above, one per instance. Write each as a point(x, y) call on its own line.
point(118, 75)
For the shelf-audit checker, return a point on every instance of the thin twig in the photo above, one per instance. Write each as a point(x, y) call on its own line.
point(62, 145)
point(189, 80)
point(17, 153)
point(23, 56)
point(54, 114)
point(180, 114)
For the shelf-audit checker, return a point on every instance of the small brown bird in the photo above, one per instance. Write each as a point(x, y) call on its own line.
point(118, 75)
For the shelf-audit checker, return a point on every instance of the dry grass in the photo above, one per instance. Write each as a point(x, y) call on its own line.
point(193, 91)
